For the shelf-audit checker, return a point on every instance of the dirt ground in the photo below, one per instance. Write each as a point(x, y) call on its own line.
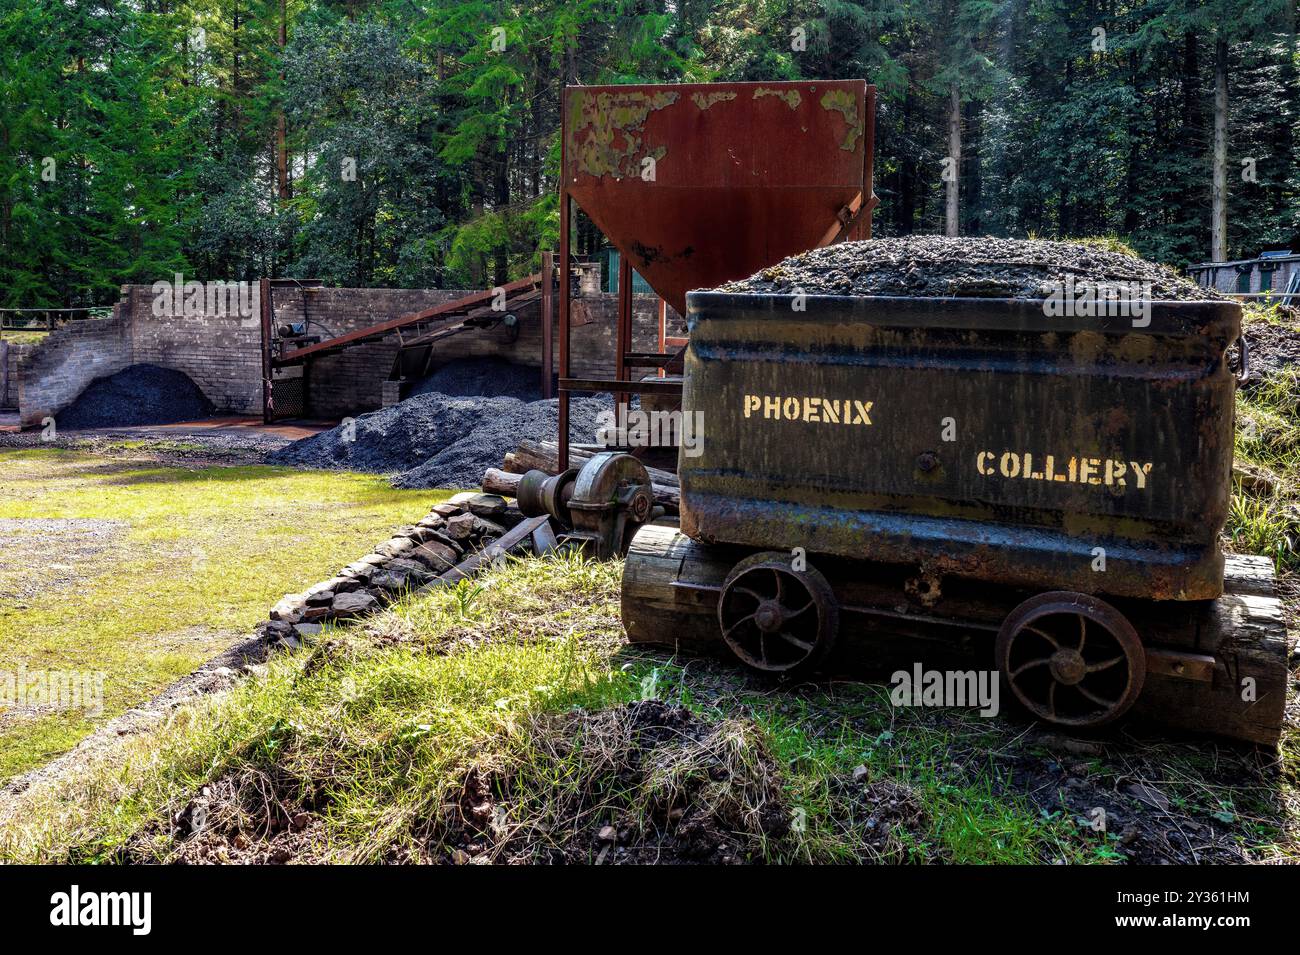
point(217, 441)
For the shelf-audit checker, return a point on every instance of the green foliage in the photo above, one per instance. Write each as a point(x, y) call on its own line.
point(161, 122)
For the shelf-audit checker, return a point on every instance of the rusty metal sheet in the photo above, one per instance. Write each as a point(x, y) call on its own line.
point(825, 429)
point(698, 184)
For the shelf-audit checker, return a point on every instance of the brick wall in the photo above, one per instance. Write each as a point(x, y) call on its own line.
point(58, 369)
point(11, 355)
point(352, 381)
point(221, 353)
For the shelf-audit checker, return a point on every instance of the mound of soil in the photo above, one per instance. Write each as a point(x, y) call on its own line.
point(659, 785)
point(1272, 348)
point(932, 265)
point(439, 440)
point(141, 394)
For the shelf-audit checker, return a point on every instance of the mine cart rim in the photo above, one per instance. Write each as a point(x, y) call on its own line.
point(1059, 657)
point(776, 619)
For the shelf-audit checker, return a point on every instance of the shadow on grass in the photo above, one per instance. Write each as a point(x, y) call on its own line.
point(1162, 796)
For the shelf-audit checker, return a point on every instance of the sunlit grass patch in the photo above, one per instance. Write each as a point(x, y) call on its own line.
point(444, 723)
point(1265, 509)
point(194, 558)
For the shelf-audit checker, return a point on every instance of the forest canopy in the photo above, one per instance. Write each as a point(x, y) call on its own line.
point(403, 143)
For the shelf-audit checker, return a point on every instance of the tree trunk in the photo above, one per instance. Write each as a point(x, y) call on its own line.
point(281, 149)
point(501, 203)
point(954, 157)
point(1219, 190)
point(905, 217)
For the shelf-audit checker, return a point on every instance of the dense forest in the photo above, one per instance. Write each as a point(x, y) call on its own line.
point(412, 143)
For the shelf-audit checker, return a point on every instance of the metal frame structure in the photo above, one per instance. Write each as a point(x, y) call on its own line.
point(794, 155)
point(415, 331)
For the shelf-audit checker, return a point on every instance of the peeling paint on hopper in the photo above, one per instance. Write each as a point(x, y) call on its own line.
point(729, 178)
point(705, 100)
point(605, 131)
point(843, 102)
point(791, 98)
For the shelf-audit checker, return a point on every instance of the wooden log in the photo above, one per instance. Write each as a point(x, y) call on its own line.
point(501, 482)
point(545, 456)
point(654, 611)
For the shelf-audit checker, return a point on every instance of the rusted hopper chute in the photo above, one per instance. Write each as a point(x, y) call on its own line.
point(697, 184)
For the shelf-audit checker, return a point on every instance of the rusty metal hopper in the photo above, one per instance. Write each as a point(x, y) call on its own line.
point(698, 184)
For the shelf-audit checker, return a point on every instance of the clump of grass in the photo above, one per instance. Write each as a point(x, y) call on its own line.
point(370, 738)
point(1268, 311)
point(1107, 243)
point(1265, 510)
point(642, 781)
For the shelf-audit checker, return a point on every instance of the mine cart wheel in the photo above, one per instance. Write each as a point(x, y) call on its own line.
point(1071, 659)
point(777, 619)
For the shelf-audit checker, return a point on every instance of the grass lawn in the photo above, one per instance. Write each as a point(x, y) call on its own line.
point(506, 720)
point(23, 337)
point(144, 572)
point(368, 740)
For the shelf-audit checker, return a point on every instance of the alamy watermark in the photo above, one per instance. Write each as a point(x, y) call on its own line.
point(53, 689)
point(181, 299)
point(75, 907)
point(1087, 299)
point(635, 428)
point(964, 688)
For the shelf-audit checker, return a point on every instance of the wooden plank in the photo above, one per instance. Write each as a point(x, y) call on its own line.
point(544, 539)
point(497, 548)
point(652, 387)
point(669, 362)
point(1249, 574)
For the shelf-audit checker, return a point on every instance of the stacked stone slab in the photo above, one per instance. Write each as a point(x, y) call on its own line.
point(427, 554)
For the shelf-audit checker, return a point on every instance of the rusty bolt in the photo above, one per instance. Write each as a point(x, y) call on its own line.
point(927, 461)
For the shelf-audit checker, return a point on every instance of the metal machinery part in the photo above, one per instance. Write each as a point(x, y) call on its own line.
point(603, 503)
point(611, 498)
point(775, 618)
point(699, 183)
point(1187, 673)
point(542, 493)
point(1071, 659)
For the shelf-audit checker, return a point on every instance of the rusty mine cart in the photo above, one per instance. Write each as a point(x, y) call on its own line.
point(827, 524)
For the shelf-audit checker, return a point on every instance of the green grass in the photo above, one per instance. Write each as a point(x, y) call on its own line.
point(1265, 514)
point(192, 561)
point(375, 732)
point(23, 337)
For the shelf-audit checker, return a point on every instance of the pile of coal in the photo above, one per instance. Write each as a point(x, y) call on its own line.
point(138, 395)
point(932, 265)
point(438, 440)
